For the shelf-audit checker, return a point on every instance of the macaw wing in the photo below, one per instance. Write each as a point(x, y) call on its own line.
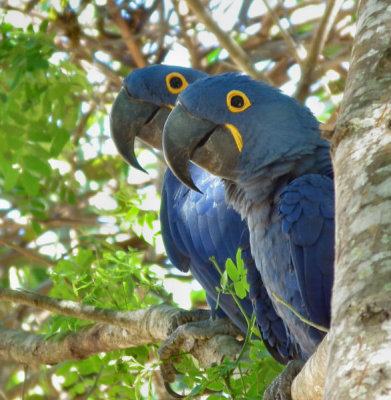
point(273, 329)
point(173, 243)
point(197, 227)
point(307, 212)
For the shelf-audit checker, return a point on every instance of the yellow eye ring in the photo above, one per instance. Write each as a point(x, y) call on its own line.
point(176, 82)
point(237, 101)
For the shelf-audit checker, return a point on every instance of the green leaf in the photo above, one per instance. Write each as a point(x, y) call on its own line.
point(84, 257)
point(60, 139)
point(18, 117)
point(239, 261)
point(30, 183)
point(44, 26)
point(89, 366)
point(70, 378)
point(132, 213)
point(196, 389)
point(70, 118)
point(79, 388)
point(71, 197)
point(149, 218)
point(36, 227)
point(240, 290)
point(65, 265)
point(36, 203)
point(33, 163)
point(224, 280)
point(6, 27)
point(17, 78)
point(10, 174)
point(213, 56)
point(36, 62)
point(215, 386)
point(38, 213)
point(231, 269)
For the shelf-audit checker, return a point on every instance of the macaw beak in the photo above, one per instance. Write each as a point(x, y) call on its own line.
point(131, 118)
point(210, 146)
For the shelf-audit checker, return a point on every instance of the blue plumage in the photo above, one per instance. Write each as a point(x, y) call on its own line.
point(310, 228)
point(277, 174)
point(197, 227)
point(196, 237)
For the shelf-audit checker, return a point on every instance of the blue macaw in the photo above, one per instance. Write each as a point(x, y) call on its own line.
point(195, 227)
point(277, 174)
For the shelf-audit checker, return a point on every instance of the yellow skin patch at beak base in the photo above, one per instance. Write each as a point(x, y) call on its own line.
point(236, 135)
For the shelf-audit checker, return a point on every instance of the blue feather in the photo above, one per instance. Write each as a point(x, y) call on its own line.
point(197, 227)
point(280, 181)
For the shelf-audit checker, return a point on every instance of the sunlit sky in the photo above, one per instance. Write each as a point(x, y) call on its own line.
point(225, 13)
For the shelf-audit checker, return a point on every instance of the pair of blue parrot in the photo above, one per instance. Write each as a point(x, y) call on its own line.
point(249, 170)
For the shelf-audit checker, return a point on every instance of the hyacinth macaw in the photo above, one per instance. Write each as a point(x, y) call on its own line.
point(195, 227)
point(277, 174)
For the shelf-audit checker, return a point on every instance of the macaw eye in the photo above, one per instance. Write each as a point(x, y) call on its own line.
point(237, 101)
point(176, 82)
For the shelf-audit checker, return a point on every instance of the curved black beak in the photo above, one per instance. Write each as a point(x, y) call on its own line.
point(131, 118)
point(182, 134)
point(208, 145)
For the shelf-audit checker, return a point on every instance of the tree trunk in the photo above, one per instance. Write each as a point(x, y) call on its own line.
point(359, 362)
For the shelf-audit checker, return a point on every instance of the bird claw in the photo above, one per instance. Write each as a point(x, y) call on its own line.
point(183, 338)
point(185, 317)
point(172, 392)
point(280, 388)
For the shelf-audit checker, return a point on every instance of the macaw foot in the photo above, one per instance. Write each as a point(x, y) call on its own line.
point(280, 388)
point(184, 338)
point(185, 317)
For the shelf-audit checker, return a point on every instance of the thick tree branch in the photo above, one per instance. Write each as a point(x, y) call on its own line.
point(128, 329)
point(32, 349)
point(238, 55)
point(124, 319)
point(309, 383)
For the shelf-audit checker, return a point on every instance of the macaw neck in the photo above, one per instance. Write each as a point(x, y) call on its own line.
point(262, 188)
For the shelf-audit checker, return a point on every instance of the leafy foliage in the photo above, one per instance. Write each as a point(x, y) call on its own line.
point(241, 379)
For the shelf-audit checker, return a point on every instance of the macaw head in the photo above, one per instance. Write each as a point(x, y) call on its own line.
point(237, 128)
point(143, 104)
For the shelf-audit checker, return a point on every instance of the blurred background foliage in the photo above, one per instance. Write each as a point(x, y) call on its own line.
point(75, 221)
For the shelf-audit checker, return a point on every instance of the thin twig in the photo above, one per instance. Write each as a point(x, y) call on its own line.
point(33, 380)
point(67, 307)
point(27, 253)
point(301, 318)
point(296, 49)
point(3, 396)
point(127, 34)
point(318, 41)
point(238, 55)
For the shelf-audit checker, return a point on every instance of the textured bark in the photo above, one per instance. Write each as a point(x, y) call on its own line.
point(359, 363)
point(114, 330)
point(31, 349)
point(309, 383)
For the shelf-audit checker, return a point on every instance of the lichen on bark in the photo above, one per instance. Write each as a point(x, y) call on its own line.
point(359, 363)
